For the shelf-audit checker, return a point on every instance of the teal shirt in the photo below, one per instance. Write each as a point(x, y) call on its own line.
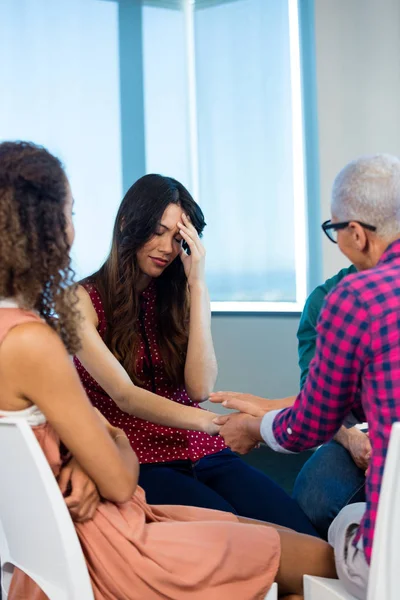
point(307, 333)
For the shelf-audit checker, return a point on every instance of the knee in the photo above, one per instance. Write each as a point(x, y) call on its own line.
point(314, 491)
point(314, 499)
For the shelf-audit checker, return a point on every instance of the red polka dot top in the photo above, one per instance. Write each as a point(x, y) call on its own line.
point(151, 442)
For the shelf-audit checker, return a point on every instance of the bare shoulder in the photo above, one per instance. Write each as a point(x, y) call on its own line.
point(38, 368)
point(30, 342)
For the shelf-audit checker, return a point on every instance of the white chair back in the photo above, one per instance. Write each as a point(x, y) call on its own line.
point(383, 578)
point(36, 531)
point(383, 581)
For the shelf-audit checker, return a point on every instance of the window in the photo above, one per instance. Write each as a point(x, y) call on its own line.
point(223, 112)
point(60, 88)
point(207, 91)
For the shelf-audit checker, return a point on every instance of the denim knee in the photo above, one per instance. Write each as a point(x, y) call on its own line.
point(328, 481)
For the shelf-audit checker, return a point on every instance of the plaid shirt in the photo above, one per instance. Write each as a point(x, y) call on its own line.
point(356, 367)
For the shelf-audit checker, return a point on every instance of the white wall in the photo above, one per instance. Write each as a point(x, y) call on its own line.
point(358, 87)
point(257, 354)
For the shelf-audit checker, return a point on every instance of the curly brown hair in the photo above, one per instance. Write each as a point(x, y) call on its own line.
point(34, 250)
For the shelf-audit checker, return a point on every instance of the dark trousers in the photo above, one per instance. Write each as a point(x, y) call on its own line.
point(223, 481)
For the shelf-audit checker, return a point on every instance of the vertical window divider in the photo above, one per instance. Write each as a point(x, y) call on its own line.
point(189, 10)
point(300, 220)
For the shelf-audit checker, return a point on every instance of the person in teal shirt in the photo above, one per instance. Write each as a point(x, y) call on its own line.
point(307, 333)
point(335, 474)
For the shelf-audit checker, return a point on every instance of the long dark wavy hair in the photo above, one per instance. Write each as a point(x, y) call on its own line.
point(34, 250)
point(138, 216)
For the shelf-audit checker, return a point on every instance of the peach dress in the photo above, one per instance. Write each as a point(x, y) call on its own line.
point(135, 551)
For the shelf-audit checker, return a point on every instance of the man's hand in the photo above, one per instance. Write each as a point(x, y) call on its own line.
point(241, 432)
point(249, 404)
point(359, 447)
point(357, 443)
point(84, 498)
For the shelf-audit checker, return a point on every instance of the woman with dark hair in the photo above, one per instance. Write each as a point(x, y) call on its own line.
point(133, 550)
point(147, 359)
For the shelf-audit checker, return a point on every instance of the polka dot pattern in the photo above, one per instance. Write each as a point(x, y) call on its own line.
point(151, 442)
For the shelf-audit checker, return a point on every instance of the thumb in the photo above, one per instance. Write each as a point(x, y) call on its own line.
point(64, 478)
point(242, 406)
point(183, 255)
point(221, 420)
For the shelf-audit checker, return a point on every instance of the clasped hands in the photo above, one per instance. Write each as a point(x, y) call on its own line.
point(241, 430)
point(80, 492)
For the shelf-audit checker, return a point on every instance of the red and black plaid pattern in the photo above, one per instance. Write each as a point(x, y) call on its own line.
point(356, 367)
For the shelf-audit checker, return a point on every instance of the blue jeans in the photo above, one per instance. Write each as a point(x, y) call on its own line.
point(222, 481)
point(328, 481)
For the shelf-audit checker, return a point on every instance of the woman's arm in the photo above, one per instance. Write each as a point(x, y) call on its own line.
point(112, 377)
point(201, 364)
point(39, 369)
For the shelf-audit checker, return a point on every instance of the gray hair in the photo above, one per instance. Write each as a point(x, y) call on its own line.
point(368, 190)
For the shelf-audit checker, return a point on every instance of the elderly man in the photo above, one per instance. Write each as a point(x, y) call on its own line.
point(356, 367)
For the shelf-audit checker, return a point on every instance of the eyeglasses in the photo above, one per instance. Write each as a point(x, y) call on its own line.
point(331, 229)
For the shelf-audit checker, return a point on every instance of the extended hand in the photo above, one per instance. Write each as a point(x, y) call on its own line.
point(239, 431)
point(84, 498)
point(245, 403)
point(194, 262)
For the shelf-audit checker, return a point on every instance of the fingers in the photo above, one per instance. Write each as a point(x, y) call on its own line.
point(216, 397)
point(362, 460)
point(221, 420)
point(360, 464)
point(189, 239)
point(64, 478)
point(83, 502)
point(184, 256)
point(190, 235)
point(189, 225)
point(77, 496)
point(237, 401)
point(242, 406)
point(86, 510)
point(219, 397)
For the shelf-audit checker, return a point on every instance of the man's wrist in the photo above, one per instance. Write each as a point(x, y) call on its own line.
point(253, 425)
point(343, 437)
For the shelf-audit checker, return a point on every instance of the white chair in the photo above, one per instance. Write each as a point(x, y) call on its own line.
point(384, 576)
point(273, 592)
point(319, 588)
point(36, 531)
